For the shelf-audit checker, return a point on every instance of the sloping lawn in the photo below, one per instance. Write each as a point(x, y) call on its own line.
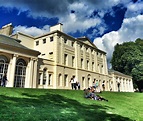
point(17, 104)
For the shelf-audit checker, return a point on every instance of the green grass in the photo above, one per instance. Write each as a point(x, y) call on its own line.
point(17, 104)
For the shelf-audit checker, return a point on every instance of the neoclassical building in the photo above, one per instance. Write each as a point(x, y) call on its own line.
point(50, 60)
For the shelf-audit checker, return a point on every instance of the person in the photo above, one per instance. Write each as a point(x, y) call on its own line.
point(72, 83)
point(75, 82)
point(103, 85)
point(88, 93)
point(4, 79)
point(100, 98)
point(78, 85)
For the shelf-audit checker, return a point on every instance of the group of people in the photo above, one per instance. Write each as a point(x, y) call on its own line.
point(3, 80)
point(91, 94)
point(74, 83)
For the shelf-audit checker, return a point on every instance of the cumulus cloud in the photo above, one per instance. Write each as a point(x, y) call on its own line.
point(79, 20)
point(134, 9)
point(131, 29)
point(33, 31)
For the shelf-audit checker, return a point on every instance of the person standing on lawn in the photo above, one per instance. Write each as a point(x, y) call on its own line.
point(4, 79)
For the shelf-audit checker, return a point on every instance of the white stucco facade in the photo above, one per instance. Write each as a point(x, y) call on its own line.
point(53, 58)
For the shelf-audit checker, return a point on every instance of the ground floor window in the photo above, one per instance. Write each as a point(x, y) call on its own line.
point(50, 79)
point(20, 73)
point(3, 65)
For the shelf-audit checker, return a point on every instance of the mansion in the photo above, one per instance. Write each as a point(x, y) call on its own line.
point(50, 60)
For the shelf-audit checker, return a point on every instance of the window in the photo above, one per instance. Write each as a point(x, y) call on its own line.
point(3, 65)
point(43, 54)
point(44, 41)
point(65, 59)
point(51, 55)
point(20, 73)
point(50, 79)
point(83, 82)
point(72, 44)
point(65, 40)
point(81, 63)
point(60, 80)
point(51, 39)
point(87, 65)
point(73, 61)
point(65, 80)
point(92, 66)
point(37, 43)
point(44, 76)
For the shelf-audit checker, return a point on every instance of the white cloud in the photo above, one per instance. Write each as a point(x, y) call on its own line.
point(72, 23)
point(131, 29)
point(134, 9)
point(33, 31)
point(81, 20)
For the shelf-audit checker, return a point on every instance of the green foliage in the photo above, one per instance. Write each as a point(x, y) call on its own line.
point(128, 58)
point(18, 104)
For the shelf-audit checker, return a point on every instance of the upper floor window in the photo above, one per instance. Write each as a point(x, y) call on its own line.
point(51, 39)
point(44, 41)
point(37, 43)
point(72, 44)
point(87, 64)
point(65, 59)
point(92, 66)
point(81, 63)
point(73, 61)
point(65, 40)
point(51, 55)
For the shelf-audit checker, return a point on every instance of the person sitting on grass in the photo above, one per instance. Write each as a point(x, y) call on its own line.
point(100, 98)
point(90, 93)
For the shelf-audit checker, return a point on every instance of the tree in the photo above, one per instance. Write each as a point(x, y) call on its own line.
point(128, 59)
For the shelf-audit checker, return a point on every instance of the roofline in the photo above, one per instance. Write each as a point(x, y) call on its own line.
point(25, 35)
point(117, 72)
point(29, 50)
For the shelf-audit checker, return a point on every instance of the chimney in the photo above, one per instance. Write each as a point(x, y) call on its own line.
point(7, 29)
point(57, 27)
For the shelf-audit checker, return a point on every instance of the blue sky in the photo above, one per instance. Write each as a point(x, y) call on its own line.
point(104, 22)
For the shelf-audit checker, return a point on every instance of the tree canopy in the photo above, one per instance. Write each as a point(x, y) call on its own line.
point(128, 59)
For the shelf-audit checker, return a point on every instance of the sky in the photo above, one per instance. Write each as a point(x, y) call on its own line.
point(104, 22)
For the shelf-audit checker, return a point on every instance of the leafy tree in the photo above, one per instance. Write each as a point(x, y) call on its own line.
point(128, 59)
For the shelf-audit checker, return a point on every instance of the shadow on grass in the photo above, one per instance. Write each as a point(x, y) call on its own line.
point(52, 107)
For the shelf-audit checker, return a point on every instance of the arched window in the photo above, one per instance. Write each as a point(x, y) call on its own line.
point(20, 73)
point(3, 65)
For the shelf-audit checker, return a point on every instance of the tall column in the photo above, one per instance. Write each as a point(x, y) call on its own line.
point(56, 54)
point(41, 78)
point(84, 58)
point(90, 60)
point(125, 85)
point(95, 59)
point(47, 78)
point(76, 59)
point(12, 73)
point(114, 83)
point(56, 59)
point(30, 75)
point(131, 86)
point(105, 70)
point(35, 74)
point(122, 86)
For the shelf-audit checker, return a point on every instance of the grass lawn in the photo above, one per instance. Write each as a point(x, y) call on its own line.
point(19, 104)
